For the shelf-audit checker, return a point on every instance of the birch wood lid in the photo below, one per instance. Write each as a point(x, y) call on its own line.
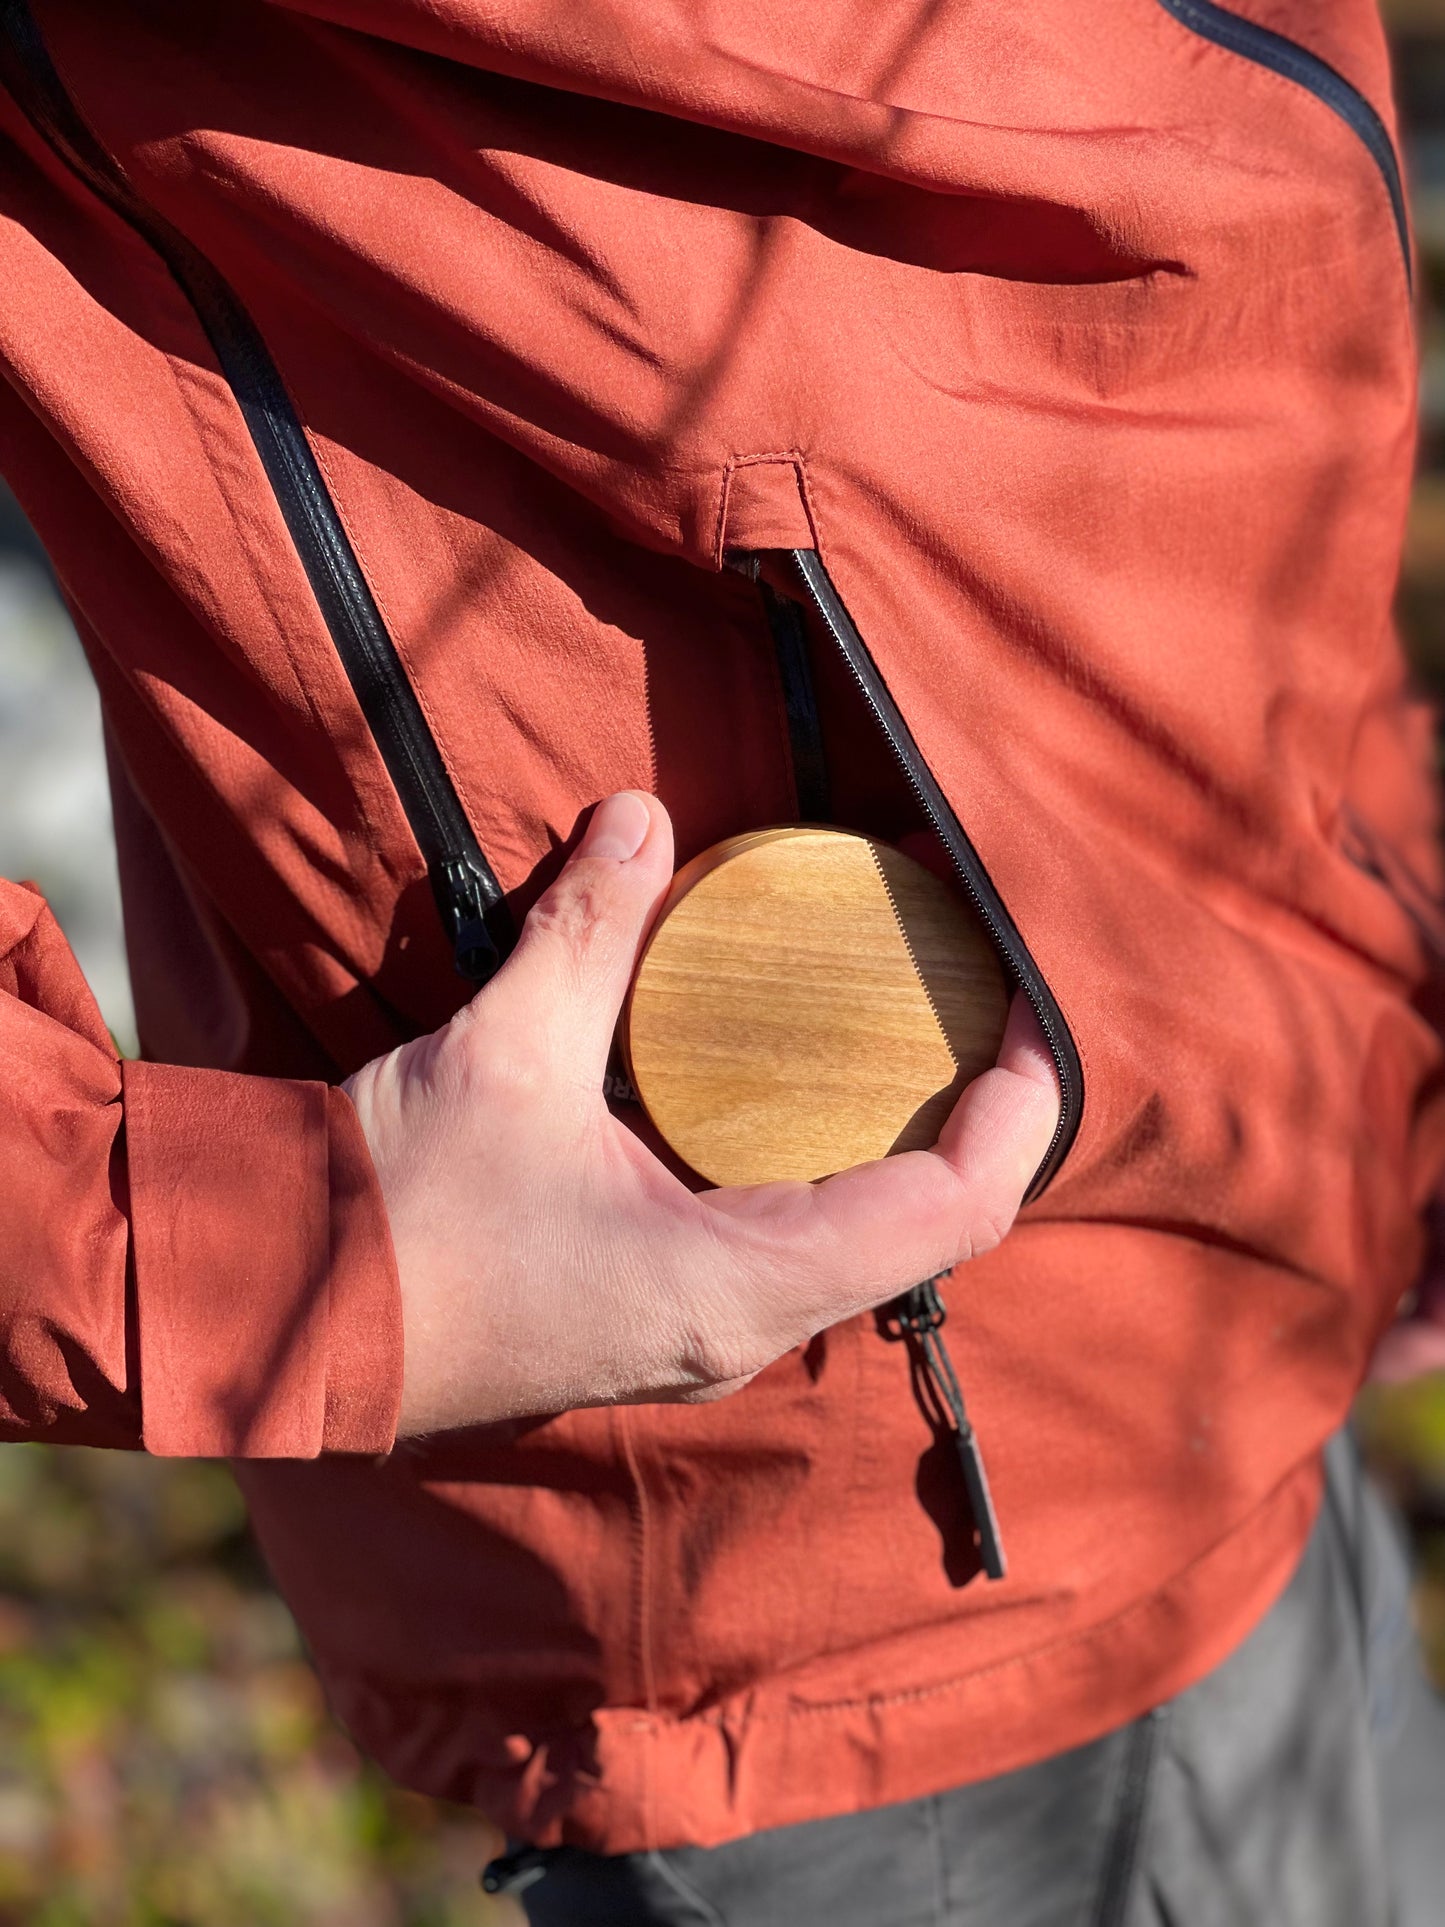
point(809, 999)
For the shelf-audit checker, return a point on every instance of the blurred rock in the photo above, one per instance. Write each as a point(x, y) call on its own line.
point(55, 825)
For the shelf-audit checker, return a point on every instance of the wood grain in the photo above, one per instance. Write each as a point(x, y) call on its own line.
point(809, 1000)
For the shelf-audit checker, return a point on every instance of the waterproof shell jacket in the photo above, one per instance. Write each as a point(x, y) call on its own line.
point(393, 383)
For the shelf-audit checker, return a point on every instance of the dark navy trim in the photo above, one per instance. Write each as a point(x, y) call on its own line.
point(1316, 76)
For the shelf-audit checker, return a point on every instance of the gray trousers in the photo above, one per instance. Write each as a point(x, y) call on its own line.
point(1302, 1784)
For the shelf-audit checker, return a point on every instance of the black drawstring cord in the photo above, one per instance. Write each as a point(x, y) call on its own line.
point(920, 1314)
point(517, 1869)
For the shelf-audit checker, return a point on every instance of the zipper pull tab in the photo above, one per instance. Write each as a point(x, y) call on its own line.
point(463, 901)
point(513, 1872)
point(980, 1499)
point(921, 1314)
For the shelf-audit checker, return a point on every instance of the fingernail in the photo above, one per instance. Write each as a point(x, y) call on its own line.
point(619, 825)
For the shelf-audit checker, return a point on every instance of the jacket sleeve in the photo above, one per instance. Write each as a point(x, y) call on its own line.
point(191, 1261)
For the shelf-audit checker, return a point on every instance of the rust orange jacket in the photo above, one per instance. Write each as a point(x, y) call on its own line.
point(390, 381)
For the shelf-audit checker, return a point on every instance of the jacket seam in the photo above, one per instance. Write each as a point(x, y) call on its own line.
point(1124, 1842)
point(940, 1689)
point(642, 1617)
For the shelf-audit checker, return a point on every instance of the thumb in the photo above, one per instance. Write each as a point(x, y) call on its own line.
point(856, 1239)
point(563, 985)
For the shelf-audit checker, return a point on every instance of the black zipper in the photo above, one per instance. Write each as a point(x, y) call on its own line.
point(468, 895)
point(811, 789)
point(1294, 62)
point(807, 566)
point(918, 1315)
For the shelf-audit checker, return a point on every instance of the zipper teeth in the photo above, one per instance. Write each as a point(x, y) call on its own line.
point(1289, 59)
point(366, 650)
point(821, 593)
point(983, 908)
point(300, 482)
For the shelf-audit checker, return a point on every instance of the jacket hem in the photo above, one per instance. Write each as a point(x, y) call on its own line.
point(780, 1755)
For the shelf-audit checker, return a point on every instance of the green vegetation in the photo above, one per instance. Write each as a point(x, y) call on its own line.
point(165, 1756)
point(1403, 1427)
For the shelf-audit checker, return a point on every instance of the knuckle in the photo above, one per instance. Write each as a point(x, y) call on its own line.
point(984, 1233)
point(501, 1069)
point(720, 1359)
point(575, 916)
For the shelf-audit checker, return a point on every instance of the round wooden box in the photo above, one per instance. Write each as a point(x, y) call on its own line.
point(808, 1000)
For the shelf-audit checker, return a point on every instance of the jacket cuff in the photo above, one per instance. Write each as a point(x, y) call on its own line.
point(267, 1310)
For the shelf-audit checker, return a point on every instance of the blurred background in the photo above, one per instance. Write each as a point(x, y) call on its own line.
point(1404, 1426)
point(165, 1756)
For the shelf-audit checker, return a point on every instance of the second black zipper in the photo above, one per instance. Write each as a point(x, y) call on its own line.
point(806, 568)
point(918, 1315)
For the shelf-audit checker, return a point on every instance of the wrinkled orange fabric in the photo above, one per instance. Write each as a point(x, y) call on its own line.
point(1081, 349)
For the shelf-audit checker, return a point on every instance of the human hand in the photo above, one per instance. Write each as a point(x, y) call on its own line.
point(548, 1259)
